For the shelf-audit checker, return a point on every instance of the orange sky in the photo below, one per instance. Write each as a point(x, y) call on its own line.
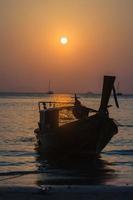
point(100, 42)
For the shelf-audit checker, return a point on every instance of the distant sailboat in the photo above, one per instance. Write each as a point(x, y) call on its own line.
point(49, 89)
point(118, 90)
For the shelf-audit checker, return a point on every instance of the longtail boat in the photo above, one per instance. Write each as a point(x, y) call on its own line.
point(87, 134)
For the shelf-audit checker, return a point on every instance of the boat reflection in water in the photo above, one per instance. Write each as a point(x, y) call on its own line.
point(72, 172)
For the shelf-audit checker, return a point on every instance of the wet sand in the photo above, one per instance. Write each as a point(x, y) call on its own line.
point(67, 192)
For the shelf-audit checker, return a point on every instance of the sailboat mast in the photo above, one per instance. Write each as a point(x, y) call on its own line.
point(118, 89)
point(49, 89)
point(118, 84)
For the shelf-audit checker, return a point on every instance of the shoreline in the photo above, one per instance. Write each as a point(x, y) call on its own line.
point(64, 192)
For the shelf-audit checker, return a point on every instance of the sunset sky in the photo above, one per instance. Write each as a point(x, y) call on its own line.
point(100, 41)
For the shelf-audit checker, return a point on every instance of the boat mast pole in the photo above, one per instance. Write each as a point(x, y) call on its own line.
point(108, 85)
point(49, 85)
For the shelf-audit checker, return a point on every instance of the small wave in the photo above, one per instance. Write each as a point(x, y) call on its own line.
point(26, 139)
point(18, 140)
point(123, 164)
point(126, 125)
point(12, 173)
point(120, 152)
point(4, 163)
point(15, 153)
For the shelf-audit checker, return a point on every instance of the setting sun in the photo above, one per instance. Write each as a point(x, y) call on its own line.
point(64, 40)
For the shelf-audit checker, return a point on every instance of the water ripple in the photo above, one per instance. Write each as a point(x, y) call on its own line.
point(120, 152)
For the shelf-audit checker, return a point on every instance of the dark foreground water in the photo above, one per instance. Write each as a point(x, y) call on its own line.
point(21, 164)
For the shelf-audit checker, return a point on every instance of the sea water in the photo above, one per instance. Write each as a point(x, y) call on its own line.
point(21, 164)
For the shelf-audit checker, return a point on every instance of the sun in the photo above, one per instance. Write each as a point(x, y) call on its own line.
point(63, 40)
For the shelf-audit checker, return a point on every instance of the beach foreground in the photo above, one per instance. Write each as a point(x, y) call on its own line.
point(68, 192)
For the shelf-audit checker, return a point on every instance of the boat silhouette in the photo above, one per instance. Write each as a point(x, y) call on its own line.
point(84, 136)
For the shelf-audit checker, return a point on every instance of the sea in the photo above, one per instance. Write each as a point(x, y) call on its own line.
point(22, 165)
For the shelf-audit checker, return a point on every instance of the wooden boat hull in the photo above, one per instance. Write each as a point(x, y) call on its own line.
point(79, 138)
point(84, 137)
